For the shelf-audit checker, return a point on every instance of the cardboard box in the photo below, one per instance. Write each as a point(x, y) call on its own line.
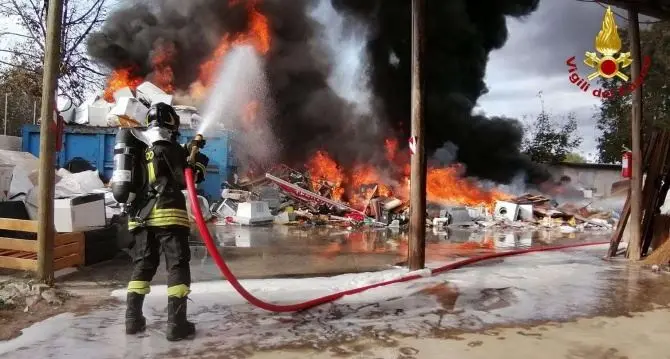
point(80, 213)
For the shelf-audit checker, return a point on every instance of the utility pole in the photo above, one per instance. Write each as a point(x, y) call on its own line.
point(45, 228)
point(417, 222)
point(634, 250)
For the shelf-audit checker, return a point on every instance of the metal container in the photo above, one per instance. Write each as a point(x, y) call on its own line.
point(96, 145)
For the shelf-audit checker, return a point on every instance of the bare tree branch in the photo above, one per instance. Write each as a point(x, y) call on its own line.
point(16, 65)
point(80, 18)
point(19, 53)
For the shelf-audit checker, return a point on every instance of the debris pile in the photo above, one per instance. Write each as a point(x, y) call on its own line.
point(127, 107)
point(292, 197)
point(21, 294)
point(531, 212)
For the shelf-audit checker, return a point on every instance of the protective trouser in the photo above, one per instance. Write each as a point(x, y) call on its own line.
point(148, 244)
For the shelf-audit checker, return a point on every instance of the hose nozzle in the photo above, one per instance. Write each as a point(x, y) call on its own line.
point(197, 143)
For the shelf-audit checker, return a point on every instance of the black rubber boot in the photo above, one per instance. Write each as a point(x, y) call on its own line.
point(135, 322)
point(178, 327)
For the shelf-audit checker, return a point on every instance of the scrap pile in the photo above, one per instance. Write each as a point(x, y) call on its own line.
point(539, 211)
point(294, 197)
point(126, 107)
point(290, 196)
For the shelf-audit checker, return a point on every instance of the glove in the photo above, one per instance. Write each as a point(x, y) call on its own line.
point(200, 144)
point(200, 166)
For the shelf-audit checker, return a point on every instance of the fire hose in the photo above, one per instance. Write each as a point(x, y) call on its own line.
point(283, 308)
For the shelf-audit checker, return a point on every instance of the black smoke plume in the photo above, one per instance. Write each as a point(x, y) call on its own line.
point(459, 35)
point(308, 114)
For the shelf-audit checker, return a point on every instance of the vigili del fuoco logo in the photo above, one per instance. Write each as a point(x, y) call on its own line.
point(608, 65)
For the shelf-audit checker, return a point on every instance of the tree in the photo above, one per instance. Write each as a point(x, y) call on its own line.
point(24, 89)
point(613, 119)
point(26, 44)
point(574, 157)
point(547, 141)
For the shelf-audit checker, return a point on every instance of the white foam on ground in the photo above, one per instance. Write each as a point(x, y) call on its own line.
point(554, 285)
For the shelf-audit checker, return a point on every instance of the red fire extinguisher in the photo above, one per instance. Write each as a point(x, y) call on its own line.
point(626, 164)
point(58, 126)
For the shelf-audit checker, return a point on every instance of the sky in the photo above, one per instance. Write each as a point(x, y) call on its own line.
point(534, 60)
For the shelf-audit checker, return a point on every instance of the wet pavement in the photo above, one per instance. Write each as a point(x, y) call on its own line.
point(546, 286)
point(298, 251)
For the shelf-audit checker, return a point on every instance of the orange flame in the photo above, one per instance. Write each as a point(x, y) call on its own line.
point(119, 79)
point(258, 35)
point(321, 168)
point(163, 76)
point(443, 185)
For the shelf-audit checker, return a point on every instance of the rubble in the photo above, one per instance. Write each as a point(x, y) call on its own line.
point(292, 199)
point(25, 294)
point(129, 109)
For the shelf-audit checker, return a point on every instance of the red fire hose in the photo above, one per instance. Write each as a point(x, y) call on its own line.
point(214, 252)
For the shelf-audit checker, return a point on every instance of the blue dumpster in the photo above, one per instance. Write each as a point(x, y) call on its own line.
point(96, 145)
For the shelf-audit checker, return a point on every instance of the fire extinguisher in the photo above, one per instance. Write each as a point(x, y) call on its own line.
point(58, 126)
point(626, 164)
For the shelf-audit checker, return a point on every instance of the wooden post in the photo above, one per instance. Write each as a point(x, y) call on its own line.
point(45, 229)
point(417, 223)
point(634, 253)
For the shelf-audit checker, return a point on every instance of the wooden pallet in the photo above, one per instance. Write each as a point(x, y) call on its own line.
point(21, 254)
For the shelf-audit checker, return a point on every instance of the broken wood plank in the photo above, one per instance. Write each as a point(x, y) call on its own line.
point(652, 184)
point(625, 212)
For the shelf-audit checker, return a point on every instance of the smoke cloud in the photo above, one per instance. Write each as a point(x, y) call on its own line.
point(339, 73)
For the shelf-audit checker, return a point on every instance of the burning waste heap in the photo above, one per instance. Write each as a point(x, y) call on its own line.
point(337, 99)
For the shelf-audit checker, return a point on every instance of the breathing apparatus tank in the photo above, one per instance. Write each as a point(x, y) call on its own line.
point(128, 176)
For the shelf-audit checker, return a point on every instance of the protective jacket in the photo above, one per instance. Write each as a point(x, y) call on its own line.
point(164, 204)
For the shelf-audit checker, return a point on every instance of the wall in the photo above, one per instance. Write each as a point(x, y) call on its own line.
point(10, 143)
point(597, 176)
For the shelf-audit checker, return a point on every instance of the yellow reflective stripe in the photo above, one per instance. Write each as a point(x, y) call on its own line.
point(139, 286)
point(167, 211)
point(160, 222)
point(164, 222)
point(202, 168)
point(151, 172)
point(179, 291)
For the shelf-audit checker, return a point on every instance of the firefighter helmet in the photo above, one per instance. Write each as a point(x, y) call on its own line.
point(164, 116)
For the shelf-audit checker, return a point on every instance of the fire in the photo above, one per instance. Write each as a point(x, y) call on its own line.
point(257, 35)
point(447, 185)
point(323, 169)
point(391, 146)
point(443, 185)
point(162, 75)
point(119, 79)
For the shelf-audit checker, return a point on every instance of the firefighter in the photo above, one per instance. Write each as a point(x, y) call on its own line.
point(158, 220)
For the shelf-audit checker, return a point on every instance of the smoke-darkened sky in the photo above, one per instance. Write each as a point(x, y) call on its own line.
point(313, 110)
